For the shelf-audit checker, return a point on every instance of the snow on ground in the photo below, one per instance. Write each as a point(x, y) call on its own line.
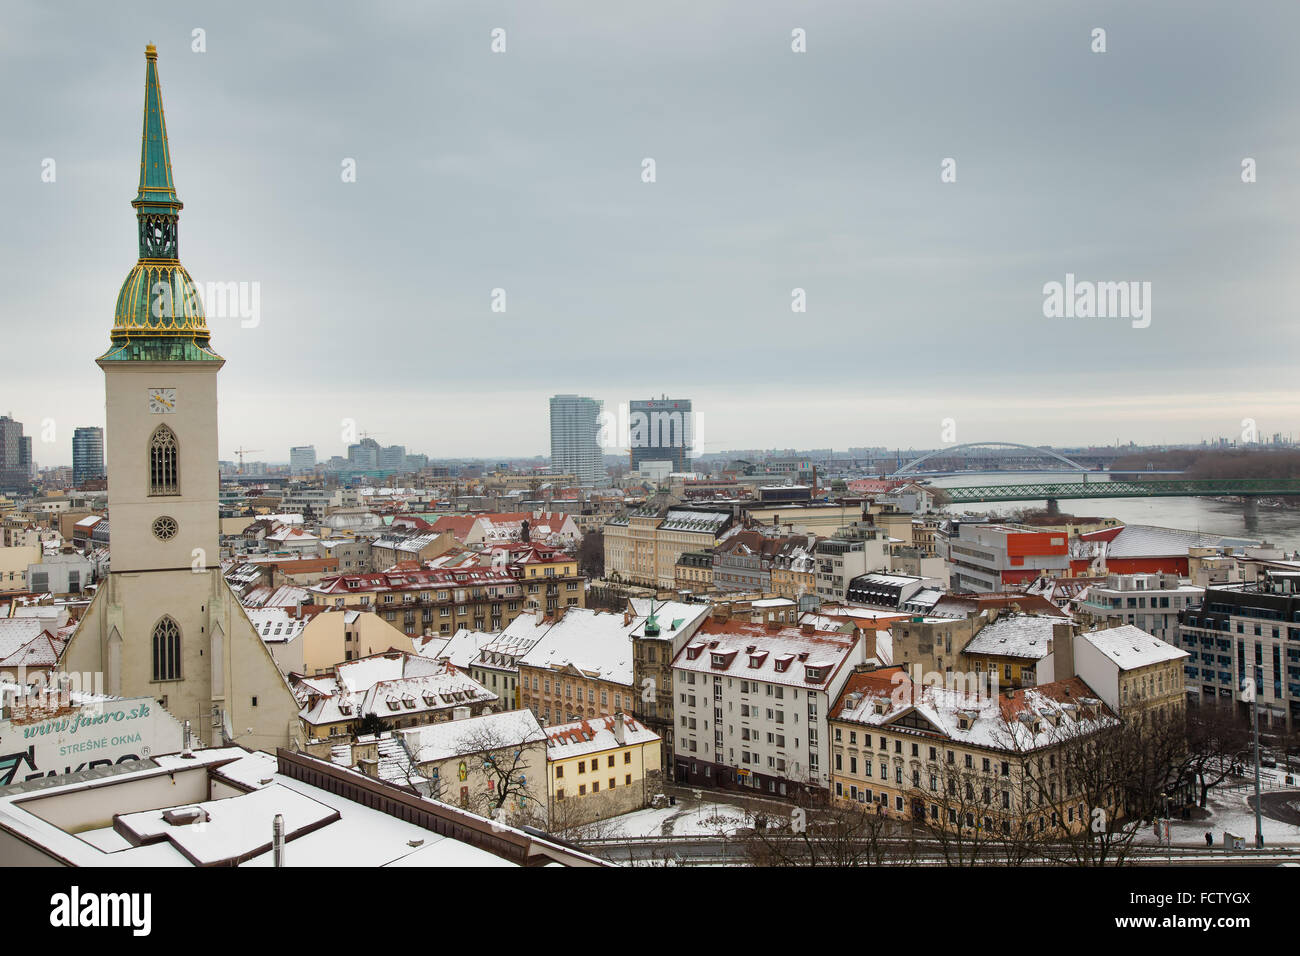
point(1229, 811)
point(708, 819)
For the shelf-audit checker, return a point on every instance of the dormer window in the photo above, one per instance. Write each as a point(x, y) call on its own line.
point(814, 673)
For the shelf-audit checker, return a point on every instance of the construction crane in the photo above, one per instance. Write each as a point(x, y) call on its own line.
point(241, 452)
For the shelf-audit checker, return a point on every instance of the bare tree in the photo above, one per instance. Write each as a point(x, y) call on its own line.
point(973, 815)
point(816, 834)
point(1087, 778)
point(499, 773)
point(1216, 734)
point(591, 554)
point(585, 819)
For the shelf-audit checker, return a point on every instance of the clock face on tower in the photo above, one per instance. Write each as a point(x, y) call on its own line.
point(162, 401)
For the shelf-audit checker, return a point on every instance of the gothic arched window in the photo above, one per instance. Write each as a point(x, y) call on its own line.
point(164, 463)
point(166, 650)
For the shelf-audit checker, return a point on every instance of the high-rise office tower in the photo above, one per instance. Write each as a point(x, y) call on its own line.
point(15, 457)
point(87, 453)
point(660, 429)
point(575, 438)
point(302, 459)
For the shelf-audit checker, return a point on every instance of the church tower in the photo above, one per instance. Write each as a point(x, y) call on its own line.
point(164, 623)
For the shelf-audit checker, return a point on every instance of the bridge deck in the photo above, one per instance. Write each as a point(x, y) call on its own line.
point(1184, 488)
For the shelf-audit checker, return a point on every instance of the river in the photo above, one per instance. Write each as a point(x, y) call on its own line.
point(1277, 526)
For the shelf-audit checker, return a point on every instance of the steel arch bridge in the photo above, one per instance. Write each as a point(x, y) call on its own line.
point(945, 452)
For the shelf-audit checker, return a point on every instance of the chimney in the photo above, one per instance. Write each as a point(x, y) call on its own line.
point(1063, 651)
point(627, 617)
point(277, 838)
point(620, 728)
point(807, 628)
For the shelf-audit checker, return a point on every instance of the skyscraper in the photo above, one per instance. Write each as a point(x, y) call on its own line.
point(87, 453)
point(15, 457)
point(575, 438)
point(364, 455)
point(302, 459)
point(661, 429)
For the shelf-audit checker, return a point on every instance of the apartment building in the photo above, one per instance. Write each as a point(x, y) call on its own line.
point(575, 437)
point(351, 553)
point(662, 629)
point(751, 703)
point(743, 562)
point(1248, 630)
point(397, 689)
point(694, 572)
point(430, 601)
point(600, 767)
point(946, 758)
point(643, 547)
point(579, 665)
point(1152, 602)
point(794, 567)
point(1011, 646)
point(851, 551)
point(496, 667)
point(539, 527)
point(419, 546)
point(549, 576)
point(1134, 672)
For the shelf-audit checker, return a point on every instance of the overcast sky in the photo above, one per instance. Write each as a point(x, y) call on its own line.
point(775, 170)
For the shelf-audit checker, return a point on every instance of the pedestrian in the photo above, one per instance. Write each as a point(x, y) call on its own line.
point(1209, 838)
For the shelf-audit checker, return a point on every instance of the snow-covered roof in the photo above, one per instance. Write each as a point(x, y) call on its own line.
point(471, 735)
point(1131, 647)
point(594, 735)
point(1014, 635)
point(698, 521)
point(461, 649)
point(1150, 541)
point(275, 625)
point(287, 595)
point(597, 643)
point(1026, 719)
point(322, 828)
point(399, 697)
point(673, 617)
point(796, 656)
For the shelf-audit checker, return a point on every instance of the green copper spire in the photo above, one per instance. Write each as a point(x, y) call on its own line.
point(159, 315)
point(157, 190)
